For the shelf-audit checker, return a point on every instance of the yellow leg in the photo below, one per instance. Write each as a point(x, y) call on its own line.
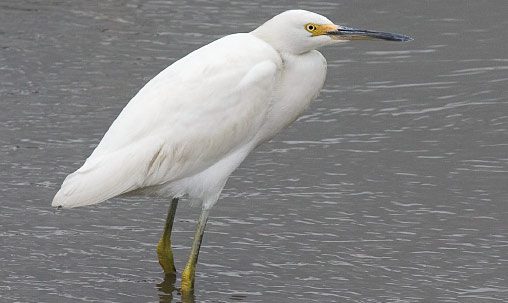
point(164, 251)
point(189, 272)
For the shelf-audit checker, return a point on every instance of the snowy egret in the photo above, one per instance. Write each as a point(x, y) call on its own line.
point(192, 125)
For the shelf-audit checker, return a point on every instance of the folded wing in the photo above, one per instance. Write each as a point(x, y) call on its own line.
point(184, 120)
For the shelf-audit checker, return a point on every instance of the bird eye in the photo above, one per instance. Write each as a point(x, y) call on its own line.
point(310, 27)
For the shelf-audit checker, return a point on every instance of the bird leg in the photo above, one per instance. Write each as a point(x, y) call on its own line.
point(164, 251)
point(189, 272)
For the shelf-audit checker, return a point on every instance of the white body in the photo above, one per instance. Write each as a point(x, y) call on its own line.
point(193, 124)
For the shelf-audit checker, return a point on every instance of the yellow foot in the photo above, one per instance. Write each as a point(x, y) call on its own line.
point(165, 255)
point(188, 279)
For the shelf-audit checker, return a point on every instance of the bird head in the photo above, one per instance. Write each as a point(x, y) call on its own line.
point(299, 31)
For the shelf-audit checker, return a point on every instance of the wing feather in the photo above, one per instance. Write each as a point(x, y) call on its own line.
point(184, 120)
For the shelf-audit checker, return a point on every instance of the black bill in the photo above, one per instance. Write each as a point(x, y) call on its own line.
point(348, 33)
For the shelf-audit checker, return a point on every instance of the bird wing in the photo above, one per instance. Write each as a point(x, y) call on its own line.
point(187, 118)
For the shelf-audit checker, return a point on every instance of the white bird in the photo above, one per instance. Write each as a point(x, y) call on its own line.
point(192, 125)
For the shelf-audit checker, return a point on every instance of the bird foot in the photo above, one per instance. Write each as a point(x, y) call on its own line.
point(188, 275)
point(165, 255)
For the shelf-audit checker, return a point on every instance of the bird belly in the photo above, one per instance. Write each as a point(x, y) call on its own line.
point(204, 187)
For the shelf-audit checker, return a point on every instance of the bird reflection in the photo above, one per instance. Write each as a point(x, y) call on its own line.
point(166, 289)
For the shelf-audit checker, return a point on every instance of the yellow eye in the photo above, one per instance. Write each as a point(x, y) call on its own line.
point(310, 27)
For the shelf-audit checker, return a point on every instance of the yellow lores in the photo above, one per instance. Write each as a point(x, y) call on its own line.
point(193, 124)
point(320, 29)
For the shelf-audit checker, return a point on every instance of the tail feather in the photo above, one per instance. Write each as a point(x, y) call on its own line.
point(104, 177)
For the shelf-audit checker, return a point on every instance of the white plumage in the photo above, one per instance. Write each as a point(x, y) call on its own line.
point(188, 128)
point(191, 126)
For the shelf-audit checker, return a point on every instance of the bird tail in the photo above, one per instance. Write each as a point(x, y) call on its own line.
point(102, 178)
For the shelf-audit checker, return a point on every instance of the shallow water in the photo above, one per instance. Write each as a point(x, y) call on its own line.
point(391, 188)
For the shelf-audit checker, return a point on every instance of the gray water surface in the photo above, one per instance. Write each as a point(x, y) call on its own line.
point(391, 188)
